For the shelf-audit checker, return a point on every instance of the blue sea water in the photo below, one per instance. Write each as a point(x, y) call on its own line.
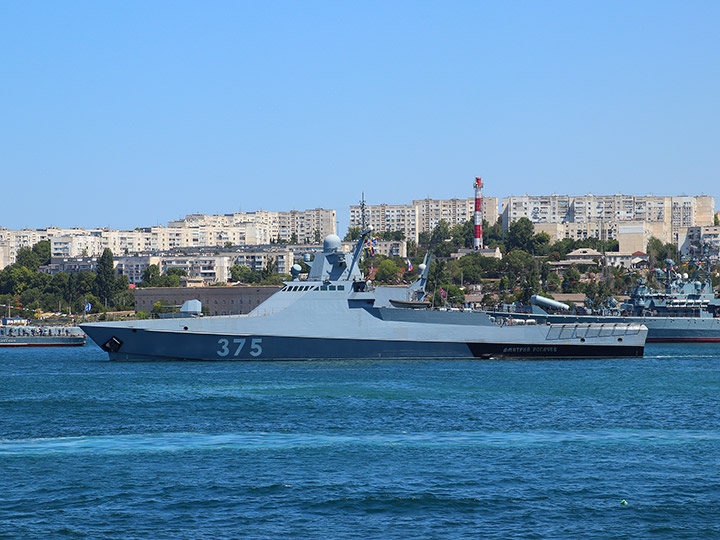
point(360, 449)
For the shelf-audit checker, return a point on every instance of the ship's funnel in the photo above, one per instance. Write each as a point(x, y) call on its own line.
point(547, 302)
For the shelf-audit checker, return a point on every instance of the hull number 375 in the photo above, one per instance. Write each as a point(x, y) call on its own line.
point(234, 347)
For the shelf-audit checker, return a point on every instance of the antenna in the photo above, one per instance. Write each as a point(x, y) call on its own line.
point(363, 213)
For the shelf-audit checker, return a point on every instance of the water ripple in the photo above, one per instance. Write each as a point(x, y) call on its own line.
point(174, 442)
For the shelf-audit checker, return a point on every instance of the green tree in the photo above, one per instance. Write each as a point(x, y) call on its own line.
point(520, 235)
point(26, 258)
point(42, 252)
point(270, 268)
point(150, 275)
point(387, 271)
point(244, 274)
point(659, 252)
point(105, 280)
point(353, 233)
point(571, 279)
point(463, 234)
point(540, 243)
point(493, 234)
point(440, 233)
point(180, 272)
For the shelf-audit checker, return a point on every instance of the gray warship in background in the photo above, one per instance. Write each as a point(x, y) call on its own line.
point(685, 310)
point(336, 314)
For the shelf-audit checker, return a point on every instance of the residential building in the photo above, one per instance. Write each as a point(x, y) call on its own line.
point(389, 248)
point(194, 231)
point(5, 254)
point(422, 215)
point(134, 266)
point(69, 265)
point(212, 269)
point(600, 216)
point(700, 242)
point(629, 261)
point(388, 217)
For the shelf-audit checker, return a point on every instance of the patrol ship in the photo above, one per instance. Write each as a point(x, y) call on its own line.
point(336, 314)
point(684, 310)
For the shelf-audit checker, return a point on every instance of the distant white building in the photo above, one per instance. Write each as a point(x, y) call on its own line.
point(423, 215)
point(700, 242)
point(601, 216)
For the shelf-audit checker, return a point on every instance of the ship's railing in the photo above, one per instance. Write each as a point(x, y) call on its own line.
point(596, 330)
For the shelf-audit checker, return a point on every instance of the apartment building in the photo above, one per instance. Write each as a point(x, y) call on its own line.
point(262, 227)
point(700, 242)
point(422, 215)
point(194, 231)
point(4, 254)
point(601, 216)
point(388, 217)
point(258, 258)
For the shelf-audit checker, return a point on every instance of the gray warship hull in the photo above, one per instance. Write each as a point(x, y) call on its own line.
point(335, 314)
point(543, 341)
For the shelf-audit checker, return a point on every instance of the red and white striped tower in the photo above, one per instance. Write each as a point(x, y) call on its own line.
point(478, 213)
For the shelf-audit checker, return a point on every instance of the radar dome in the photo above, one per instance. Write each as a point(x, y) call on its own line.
point(421, 268)
point(331, 243)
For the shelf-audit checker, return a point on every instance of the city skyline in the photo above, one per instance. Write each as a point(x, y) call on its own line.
point(134, 115)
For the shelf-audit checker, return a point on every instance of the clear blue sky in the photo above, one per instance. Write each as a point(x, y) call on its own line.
point(129, 114)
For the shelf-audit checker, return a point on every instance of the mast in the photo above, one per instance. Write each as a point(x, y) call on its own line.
point(363, 213)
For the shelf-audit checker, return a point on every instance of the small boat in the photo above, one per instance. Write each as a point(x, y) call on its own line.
point(23, 335)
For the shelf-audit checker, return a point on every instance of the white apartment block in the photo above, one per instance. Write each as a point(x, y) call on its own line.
point(75, 246)
point(195, 231)
point(700, 242)
point(134, 266)
point(262, 227)
point(422, 215)
point(4, 254)
point(601, 216)
point(454, 211)
point(211, 269)
point(388, 217)
point(258, 259)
